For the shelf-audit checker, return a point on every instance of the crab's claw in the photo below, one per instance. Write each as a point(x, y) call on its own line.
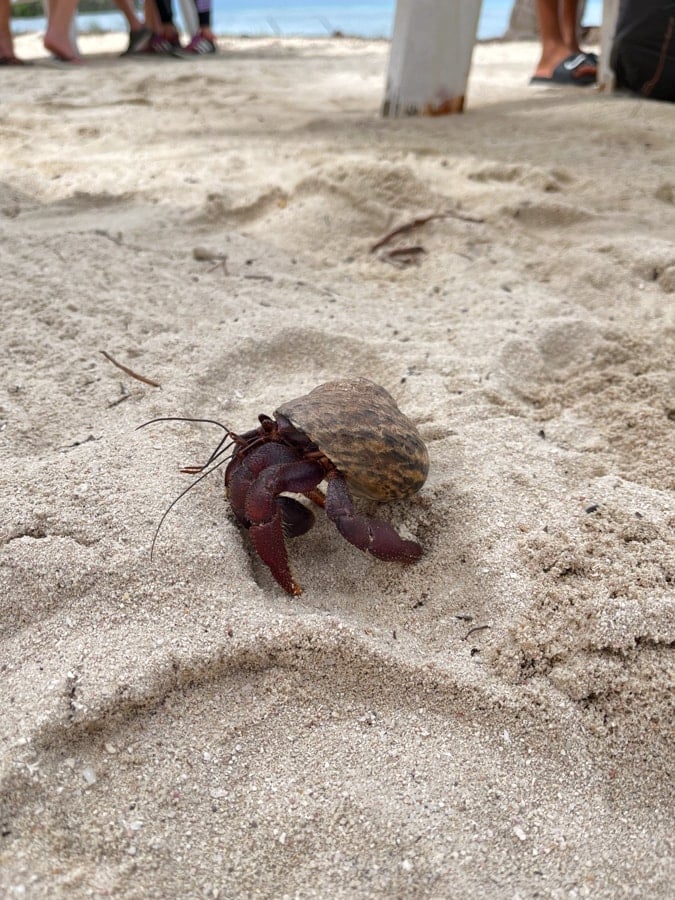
point(268, 540)
point(254, 486)
point(368, 534)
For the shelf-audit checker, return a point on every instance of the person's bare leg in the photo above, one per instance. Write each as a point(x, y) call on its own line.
point(569, 24)
point(151, 15)
point(57, 36)
point(126, 7)
point(139, 33)
point(161, 23)
point(558, 30)
point(6, 45)
point(207, 32)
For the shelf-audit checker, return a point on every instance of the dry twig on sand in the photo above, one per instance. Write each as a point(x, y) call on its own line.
point(421, 220)
point(129, 371)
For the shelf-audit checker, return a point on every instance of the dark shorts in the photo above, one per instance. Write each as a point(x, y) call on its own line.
point(643, 53)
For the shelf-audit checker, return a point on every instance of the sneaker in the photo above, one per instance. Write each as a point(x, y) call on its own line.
point(200, 45)
point(158, 45)
point(138, 41)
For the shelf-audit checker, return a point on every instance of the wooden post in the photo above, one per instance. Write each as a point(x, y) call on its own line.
point(610, 14)
point(430, 56)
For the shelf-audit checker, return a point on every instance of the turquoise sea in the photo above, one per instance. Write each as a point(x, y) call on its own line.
point(307, 17)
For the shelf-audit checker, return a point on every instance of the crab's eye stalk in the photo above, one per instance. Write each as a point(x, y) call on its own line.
point(268, 424)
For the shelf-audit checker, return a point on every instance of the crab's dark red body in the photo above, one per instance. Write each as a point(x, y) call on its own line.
point(277, 458)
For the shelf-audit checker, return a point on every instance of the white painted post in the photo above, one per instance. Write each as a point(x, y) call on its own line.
point(189, 16)
point(430, 56)
point(610, 14)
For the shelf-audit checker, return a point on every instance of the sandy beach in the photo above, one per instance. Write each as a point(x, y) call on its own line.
point(493, 721)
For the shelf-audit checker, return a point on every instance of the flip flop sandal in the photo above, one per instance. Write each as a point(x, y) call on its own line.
point(564, 72)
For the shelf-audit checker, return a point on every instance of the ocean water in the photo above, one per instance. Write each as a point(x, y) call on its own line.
point(307, 17)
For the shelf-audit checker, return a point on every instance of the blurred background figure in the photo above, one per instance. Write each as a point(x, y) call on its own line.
point(58, 37)
point(562, 60)
point(139, 33)
point(165, 40)
point(204, 40)
point(159, 18)
point(643, 52)
point(7, 55)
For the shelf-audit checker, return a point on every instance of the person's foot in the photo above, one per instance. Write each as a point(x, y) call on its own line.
point(170, 33)
point(158, 45)
point(565, 65)
point(139, 39)
point(62, 49)
point(203, 42)
point(7, 55)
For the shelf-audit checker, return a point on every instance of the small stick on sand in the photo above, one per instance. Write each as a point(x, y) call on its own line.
point(129, 371)
point(422, 220)
point(473, 630)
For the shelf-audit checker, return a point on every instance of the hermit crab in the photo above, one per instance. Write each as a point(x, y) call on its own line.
point(349, 434)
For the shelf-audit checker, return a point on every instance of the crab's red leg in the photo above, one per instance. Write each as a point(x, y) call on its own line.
point(266, 515)
point(372, 535)
point(268, 540)
point(317, 496)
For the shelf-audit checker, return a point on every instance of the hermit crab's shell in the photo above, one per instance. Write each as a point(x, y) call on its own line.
point(361, 430)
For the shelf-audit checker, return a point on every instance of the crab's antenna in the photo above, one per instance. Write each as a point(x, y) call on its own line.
point(202, 476)
point(193, 470)
point(183, 419)
point(223, 445)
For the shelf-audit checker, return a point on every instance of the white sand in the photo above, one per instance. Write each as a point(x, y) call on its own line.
point(181, 728)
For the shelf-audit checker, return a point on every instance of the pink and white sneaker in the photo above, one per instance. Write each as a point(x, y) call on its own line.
point(200, 45)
